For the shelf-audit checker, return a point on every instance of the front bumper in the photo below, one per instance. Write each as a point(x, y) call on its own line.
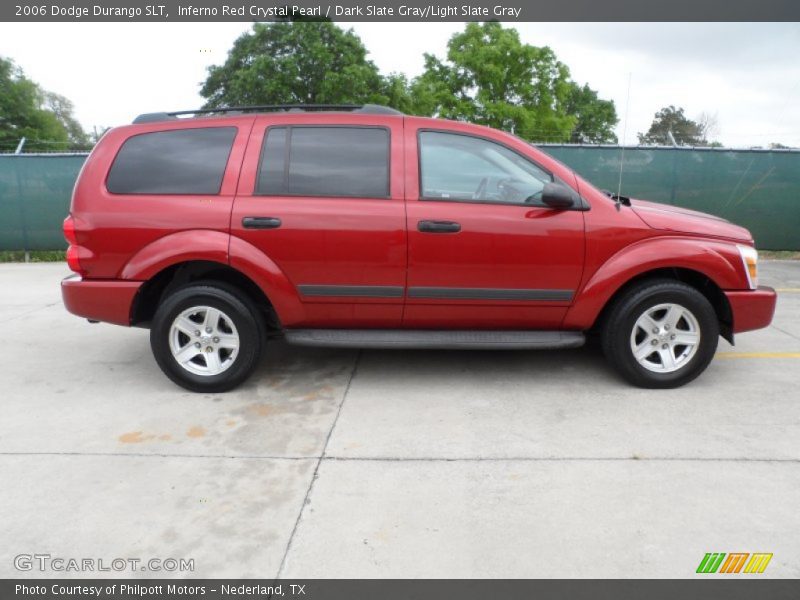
point(100, 300)
point(752, 309)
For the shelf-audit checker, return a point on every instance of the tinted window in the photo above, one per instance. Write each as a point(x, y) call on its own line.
point(460, 167)
point(182, 161)
point(325, 161)
point(272, 172)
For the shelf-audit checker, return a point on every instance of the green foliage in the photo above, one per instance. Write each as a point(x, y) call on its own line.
point(42, 117)
point(779, 254)
point(395, 90)
point(670, 119)
point(7, 256)
point(595, 118)
point(63, 108)
point(490, 77)
point(21, 113)
point(303, 62)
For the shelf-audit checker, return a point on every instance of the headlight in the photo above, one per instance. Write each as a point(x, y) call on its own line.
point(750, 260)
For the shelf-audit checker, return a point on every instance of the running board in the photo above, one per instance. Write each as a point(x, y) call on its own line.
point(440, 339)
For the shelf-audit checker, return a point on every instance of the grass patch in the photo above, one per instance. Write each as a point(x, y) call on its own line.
point(780, 254)
point(8, 256)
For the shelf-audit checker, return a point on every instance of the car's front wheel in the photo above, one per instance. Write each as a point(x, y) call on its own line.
point(661, 334)
point(206, 338)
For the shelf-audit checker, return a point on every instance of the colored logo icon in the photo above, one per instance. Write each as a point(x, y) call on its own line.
point(734, 562)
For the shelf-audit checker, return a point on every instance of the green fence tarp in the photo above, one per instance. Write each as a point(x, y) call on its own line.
point(34, 199)
point(757, 189)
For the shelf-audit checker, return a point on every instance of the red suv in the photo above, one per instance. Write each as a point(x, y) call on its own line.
point(357, 226)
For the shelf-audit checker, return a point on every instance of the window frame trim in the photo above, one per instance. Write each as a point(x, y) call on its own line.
point(237, 131)
point(288, 153)
point(423, 198)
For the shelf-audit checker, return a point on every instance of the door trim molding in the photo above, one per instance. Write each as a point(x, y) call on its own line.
point(455, 293)
point(351, 291)
point(434, 293)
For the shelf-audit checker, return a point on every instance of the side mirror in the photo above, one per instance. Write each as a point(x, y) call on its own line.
point(558, 196)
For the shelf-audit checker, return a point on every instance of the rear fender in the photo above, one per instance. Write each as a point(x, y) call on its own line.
point(262, 270)
point(718, 261)
point(184, 246)
point(219, 247)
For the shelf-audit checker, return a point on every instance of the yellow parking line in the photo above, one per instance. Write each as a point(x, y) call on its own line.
point(758, 355)
point(788, 290)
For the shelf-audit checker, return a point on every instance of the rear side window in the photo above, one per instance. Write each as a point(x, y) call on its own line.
point(181, 161)
point(325, 161)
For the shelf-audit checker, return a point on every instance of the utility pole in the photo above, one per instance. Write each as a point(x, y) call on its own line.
point(671, 139)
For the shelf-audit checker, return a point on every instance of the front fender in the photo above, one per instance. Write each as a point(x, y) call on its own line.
point(719, 261)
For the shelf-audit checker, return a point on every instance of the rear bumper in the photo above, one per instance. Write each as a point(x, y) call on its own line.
point(100, 300)
point(752, 309)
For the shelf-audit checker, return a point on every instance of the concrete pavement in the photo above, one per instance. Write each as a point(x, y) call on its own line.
point(392, 464)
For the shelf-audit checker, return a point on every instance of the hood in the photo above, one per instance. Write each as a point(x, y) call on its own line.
point(666, 217)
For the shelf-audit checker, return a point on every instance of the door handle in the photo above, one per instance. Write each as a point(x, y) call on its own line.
point(261, 222)
point(439, 226)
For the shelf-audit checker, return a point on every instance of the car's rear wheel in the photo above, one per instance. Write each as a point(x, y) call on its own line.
point(207, 337)
point(661, 334)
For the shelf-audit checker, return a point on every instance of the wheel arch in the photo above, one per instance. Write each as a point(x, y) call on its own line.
point(699, 281)
point(177, 275)
point(710, 266)
point(174, 249)
point(198, 254)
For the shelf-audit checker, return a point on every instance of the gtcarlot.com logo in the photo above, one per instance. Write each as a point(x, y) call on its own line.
point(60, 564)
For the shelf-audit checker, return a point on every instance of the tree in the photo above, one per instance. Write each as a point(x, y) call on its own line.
point(595, 118)
point(43, 118)
point(709, 126)
point(313, 62)
point(671, 120)
point(21, 113)
point(63, 108)
point(396, 93)
point(490, 77)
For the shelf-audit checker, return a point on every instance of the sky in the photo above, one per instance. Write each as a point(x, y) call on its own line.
point(746, 74)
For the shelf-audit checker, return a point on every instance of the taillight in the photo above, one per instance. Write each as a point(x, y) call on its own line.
point(69, 231)
point(73, 262)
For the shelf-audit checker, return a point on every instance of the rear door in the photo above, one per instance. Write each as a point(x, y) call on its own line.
point(483, 252)
point(322, 196)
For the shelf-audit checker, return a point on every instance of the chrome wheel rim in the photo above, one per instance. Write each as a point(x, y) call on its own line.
point(204, 341)
point(665, 338)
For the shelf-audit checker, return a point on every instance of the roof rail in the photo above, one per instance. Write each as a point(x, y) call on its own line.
point(371, 109)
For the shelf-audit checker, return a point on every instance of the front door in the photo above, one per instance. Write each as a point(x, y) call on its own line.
point(483, 253)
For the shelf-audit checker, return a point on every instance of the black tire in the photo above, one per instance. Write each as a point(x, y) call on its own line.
point(236, 307)
point(618, 329)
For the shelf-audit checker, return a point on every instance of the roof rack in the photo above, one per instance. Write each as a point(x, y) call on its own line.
point(370, 109)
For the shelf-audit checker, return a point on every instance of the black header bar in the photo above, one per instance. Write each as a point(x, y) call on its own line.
point(402, 10)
